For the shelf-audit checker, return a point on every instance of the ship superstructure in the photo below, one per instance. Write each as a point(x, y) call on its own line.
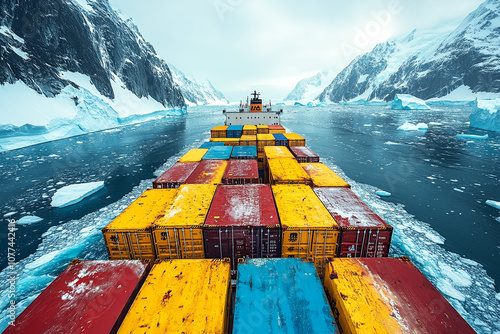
point(253, 112)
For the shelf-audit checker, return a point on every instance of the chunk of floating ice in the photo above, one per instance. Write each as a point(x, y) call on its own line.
point(42, 260)
point(9, 214)
point(459, 190)
point(383, 193)
point(494, 204)
point(29, 220)
point(422, 126)
point(472, 136)
point(74, 193)
point(408, 127)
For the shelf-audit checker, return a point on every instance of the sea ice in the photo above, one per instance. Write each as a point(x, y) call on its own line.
point(485, 115)
point(408, 127)
point(74, 193)
point(494, 204)
point(9, 214)
point(472, 136)
point(46, 258)
point(26, 220)
point(409, 102)
point(383, 193)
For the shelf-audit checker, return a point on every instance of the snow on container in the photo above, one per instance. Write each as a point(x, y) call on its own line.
point(194, 155)
point(287, 171)
point(276, 129)
point(303, 154)
point(175, 175)
point(244, 152)
point(219, 131)
point(241, 172)
point(234, 131)
point(208, 172)
point(322, 176)
point(280, 139)
point(262, 129)
point(264, 140)
point(177, 232)
point(248, 140)
point(280, 296)
point(129, 236)
point(218, 153)
point(227, 141)
point(87, 297)
point(362, 232)
point(242, 223)
point(388, 295)
point(308, 229)
point(250, 130)
point(295, 139)
point(182, 296)
point(209, 144)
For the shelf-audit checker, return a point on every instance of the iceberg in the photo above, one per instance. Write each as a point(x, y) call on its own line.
point(408, 127)
point(485, 115)
point(409, 102)
point(298, 104)
point(493, 204)
point(422, 126)
point(382, 193)
point(310, 104)
point(74, 193)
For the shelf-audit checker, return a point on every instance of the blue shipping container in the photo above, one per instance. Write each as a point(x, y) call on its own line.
point(280, 296)
point(244, 152)
point(218, 153)
point(209, 144)
point(234, 131)
point(281, 140)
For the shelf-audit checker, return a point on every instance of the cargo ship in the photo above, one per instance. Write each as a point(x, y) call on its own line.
point(249, 233)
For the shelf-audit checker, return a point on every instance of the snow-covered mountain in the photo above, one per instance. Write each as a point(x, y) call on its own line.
point(308, 89)
point(442, 62)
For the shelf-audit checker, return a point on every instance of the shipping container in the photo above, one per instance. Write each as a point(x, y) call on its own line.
point(262, 129)
point(242, 223)
point(208, 172)
point(244, 152)
point(175, 175)
point(308, 230)
point(388, 295)
point(276, 129)
point(227, 141)
point(322, 176)
point(194, 155)
point(177, 232)
point(87, 297)
point(248, 140)
point(182, 296)
point(362, 232)
point(129, 236)
point(295, 139)
point(264, 140)
point(277, 152)
point(209, 144)
point(241, 172)
point(260, 159)
point(218, 153)
point(219, 131)
point(304, 154)
point(280, 296)
point(234, 131)
point(280, 139)
point(286, 171)
point(250, 130)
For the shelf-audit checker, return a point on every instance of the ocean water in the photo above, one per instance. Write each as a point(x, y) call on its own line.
point(439, 184)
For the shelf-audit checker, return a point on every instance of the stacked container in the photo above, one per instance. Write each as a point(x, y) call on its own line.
point(208, 172)
point(280, 139)
point(276, 129)
point(303, 154)
point(218, 153)
point(227, 141)
point(295, 139)
point(234, 131)
point(250, 130)
point(262, 129)
point(362, 232)
point(308, 230)
point(219, 131)
point(280, 296)
point(242, 223)
point(248, 140)
point(178, 231)
point(388, 295)
point(322, 176)
point(241, 172)
point(129, 236)
point(194, 155)
point(209, 144)
point(244, 152)
point(89, 296)
point(182, 296)
point(264, 140)
point(175, 175)
point(286, 171)
point(274, 152)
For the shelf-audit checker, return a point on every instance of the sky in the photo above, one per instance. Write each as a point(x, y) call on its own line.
point(269, 45)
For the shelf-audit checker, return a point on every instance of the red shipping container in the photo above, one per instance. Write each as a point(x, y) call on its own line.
point(87, 297)
point(241, 172)
point(175, 175)
point(363, 233)
point(304, 154)
point(208, 172)
point(242, 223)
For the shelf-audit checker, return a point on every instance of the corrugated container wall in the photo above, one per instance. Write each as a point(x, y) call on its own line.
point(209, 144)
point(241, 172)
point(388, 295)
point(175, 175)
point(280, 139)
point(295, 139)
point(304, 154)
point(248, 140)
point(322, 176)
point(74, 301)
point(262, 129)
point(227, 141)
point(219, 131)
point(264, 140)
point(250, 130)
point(287, 171)
point(218, 153)
point(280, 296)
point(182, 296)
point(276, 129)
point(234, 131)
point(208, 172)
point(194, 155)
point(244, 152)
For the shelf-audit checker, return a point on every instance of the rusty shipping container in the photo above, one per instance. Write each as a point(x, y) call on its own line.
point(241, 172)
point(362, 232)
point(87, 297)
point(175, 175)
point(304, 154)
point(208, 172)
point(388, 295)
point(242, 223)
point(219, 131)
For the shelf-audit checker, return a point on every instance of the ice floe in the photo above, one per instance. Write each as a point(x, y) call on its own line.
point(26, 220)
point(74, 193)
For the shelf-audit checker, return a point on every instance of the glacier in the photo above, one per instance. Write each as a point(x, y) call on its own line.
point(408, 102)
point(486, 115)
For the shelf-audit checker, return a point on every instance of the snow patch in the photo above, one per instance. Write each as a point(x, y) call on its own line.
point(74, 193)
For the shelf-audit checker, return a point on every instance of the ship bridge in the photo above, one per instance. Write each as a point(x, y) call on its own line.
point(253, 112)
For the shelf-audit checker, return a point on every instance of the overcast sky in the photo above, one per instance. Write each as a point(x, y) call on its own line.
point(269, 45)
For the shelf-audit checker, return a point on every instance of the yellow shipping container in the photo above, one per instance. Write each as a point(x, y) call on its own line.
point(248, 140)
point(194, 155)
point(178, 233)
point(129, 236)
point(219, 131)
point(249, 130)
point(308, 229)
point(322, 176)
point(227, 141)
point(295, 139)
point(262, 129)
point(182, 296)
point(271, 131)
point(278, 152)
point(286, 171)
point(264, 140)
